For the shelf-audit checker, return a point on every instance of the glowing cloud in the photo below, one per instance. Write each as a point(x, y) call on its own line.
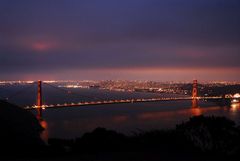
point(43, 46)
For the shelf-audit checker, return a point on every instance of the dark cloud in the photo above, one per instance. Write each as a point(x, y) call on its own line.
point(39, 36)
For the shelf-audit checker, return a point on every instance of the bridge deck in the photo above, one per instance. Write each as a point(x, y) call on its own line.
point(107, 102)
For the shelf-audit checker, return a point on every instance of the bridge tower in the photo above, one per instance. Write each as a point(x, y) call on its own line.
point(195, 94)
point(195, 89)
point(39, 100)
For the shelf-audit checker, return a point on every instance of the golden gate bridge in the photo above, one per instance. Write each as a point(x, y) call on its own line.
point(39, 106)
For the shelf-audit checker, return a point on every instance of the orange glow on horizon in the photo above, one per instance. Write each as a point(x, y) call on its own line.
point(154, 73)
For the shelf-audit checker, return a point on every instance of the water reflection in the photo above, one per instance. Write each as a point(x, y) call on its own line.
point(195, 110)
point(195, 103)
point(120, 118)
point(176, 113)
point(74, 122)
point(44, 135)
point(39, 113)
point(235, 107)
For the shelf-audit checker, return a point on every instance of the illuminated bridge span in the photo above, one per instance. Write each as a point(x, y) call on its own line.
point(100, 101)
point(91, 103)
point(40, 106)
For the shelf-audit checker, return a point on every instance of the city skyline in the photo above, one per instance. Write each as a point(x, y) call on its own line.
point(135, 40)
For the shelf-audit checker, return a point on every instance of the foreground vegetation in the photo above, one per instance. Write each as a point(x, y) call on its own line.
point(200, 138)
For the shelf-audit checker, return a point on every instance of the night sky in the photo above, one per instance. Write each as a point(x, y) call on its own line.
point(120, 39)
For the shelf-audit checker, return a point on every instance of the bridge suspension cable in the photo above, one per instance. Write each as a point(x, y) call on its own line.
point(20, 91)
point(71, 92)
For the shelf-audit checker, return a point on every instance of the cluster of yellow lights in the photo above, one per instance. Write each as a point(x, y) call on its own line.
point(236, 98)
point(237, 95)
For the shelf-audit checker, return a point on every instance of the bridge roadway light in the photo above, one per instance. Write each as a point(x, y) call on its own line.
point(237, 95)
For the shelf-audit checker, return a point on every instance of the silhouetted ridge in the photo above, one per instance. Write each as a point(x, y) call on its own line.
point(101, 140)
point(20, 130)
point(200, 138)
point(211, 134)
